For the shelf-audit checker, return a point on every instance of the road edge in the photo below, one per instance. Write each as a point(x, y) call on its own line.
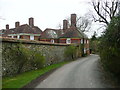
point(39, 79)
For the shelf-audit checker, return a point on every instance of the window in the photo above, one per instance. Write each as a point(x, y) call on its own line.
point(87, 41)
point(52, 41)
point(85, 49)
point(31, 37)
point(84, 41)
point(18, 36)
point(81, 41)
point(68, 41)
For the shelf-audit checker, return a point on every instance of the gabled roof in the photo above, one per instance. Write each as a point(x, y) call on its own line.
point(73, 32)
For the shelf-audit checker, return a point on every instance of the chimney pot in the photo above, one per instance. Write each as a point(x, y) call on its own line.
point(31, 21)
point(17, 24)
point(7, 26)
point(73, 20)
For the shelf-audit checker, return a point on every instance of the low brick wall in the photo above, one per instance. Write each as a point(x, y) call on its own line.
point(53, 53)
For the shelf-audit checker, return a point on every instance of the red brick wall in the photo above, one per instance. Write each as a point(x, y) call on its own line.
point(36, 37)
point(56, 40)
point(42, 40)
point(72, 40)
point(62, 40)
point(15, 37)
point(75, 40)
point(49, 40)
point(87, 46)
point(25, 37)
point(9, 36)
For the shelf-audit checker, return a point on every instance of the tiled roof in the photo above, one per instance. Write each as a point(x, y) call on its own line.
point(27, 29)
point(22, 29)
point(73, 32)
point(58, 31)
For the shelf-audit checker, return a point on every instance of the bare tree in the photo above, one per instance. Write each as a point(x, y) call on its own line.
point(59, 26)
point(105, 10)
point(83, 23)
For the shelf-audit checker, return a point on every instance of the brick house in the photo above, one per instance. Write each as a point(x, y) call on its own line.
point(74, 36)
point(25, 31)
point(65, 35)
point(68, 35)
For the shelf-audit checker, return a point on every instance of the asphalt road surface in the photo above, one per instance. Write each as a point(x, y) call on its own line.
point(82, 73)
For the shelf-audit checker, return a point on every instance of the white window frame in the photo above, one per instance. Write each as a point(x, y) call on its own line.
point(18, 36)
point(81, 41)
point(32, 37)
point(84, 41)
point(68, 40)
point(87, 41)
point(85, 50)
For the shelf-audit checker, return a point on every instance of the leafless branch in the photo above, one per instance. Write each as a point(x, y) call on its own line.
point(105, 10)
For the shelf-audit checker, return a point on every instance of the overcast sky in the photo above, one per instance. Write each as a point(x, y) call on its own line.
point(46, 13)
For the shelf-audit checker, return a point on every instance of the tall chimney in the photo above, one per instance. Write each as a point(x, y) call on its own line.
point(17, 24)
point(73, 20)
point(31, 21)
point(7, 26)
point(65, 24)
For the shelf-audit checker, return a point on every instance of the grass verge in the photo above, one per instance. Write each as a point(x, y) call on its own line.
point(22, 79)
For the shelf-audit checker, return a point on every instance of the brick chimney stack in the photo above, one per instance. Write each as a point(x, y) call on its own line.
point(7, 26)
point(17, 24)
point(73, 20)
point(65, 24)
point(31, 21)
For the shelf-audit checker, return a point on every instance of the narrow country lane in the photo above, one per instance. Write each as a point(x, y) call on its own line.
point(82, 73)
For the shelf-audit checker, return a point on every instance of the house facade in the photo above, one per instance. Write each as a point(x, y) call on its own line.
point(67, 35)
point(25, 31)
point(74, 36)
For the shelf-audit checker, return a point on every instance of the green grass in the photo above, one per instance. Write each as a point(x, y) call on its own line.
point(20, 80)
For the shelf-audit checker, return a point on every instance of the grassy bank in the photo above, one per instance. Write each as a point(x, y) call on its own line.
point(20, 80)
